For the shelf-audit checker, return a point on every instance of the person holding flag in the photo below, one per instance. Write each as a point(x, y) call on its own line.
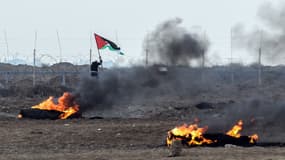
point(103, 43)
point(94, 67)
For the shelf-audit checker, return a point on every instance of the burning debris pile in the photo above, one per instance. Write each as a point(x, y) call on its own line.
point(65, 108)
point(193, 136)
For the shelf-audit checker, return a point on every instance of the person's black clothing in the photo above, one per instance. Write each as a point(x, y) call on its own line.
point(94, 67)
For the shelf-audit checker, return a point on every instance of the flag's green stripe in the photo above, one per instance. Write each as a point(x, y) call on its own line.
point(109, 47)
point(112, 49)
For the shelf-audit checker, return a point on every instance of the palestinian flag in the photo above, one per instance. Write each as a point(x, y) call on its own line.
point(103, 43)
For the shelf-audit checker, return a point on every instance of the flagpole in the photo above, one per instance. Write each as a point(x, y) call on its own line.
point(99, 54)
point(100, 57)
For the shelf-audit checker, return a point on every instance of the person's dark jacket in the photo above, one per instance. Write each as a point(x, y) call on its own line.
point(95, 65)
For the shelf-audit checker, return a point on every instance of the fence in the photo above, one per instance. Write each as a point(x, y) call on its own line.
point(8, 78)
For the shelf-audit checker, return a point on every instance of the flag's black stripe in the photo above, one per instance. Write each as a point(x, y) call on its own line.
point(113, 45)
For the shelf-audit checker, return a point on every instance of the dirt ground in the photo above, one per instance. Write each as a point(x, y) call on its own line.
point(140, 130)
point(105, 139)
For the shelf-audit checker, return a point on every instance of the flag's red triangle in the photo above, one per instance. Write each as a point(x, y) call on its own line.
point(100, 41)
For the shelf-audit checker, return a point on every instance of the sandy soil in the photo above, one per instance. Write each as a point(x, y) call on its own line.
point(108, 139)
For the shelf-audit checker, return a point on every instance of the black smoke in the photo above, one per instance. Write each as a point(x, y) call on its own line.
point(172, 44)
point(270, 37)
point(135, 85)
point(168, 44)
point(147, 91)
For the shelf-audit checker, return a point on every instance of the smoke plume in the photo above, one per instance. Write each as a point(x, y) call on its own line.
point(135, 85)
point(172, 44)
point(271, 38)
point(168, 44)
point(148, 91)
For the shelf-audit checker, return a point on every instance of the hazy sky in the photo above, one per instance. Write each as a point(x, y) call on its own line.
point(123, 21)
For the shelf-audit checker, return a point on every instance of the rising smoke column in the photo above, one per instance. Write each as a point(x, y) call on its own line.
point(135, 85)
point(271, 37)
point(172, 44)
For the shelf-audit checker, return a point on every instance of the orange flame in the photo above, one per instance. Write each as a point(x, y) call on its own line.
point(191, 132)
point(66, 104)
point(234, 132)
point(193, 135)
point(253, 138)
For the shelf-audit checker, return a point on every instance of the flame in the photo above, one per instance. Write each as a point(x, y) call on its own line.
point(234, 132)
point(66, 104)
point(192, 133)
point(253, 138)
